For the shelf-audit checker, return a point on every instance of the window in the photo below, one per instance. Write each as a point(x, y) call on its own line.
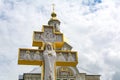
point(71, 79)
point(58, 79)
point(64, 79)
point(55, 25)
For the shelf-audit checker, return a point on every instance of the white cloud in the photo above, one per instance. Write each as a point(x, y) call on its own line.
point(92, 30)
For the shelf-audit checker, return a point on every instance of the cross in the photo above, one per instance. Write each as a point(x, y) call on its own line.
point(48, 35)
point(35, 57)
point(53, 5)
point(54, 56)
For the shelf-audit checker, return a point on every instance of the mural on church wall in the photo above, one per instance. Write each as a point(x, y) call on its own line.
point(31, 55)
point(38, 36)
point(47, 36)
point(69, 57)
point(60, 57)
point(26, 54)
point(58, 38)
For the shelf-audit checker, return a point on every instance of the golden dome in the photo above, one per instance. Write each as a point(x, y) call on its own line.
point(53, 17)
point(53, 14)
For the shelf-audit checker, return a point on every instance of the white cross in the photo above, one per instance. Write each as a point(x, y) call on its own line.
point(48, 35)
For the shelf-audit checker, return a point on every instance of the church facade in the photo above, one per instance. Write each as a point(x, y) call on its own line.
point(66, 60)
point(63, 73)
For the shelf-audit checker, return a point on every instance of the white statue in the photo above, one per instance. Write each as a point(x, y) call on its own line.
point(27, 55)
point(70, 57)
point(60, 57)
point(37, 56)
point(49, 58)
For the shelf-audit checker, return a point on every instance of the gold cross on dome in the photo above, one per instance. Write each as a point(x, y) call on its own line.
point(53, 6)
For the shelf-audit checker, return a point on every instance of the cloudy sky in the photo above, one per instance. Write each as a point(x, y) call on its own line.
point(92, 27)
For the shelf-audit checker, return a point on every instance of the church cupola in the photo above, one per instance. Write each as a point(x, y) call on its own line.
point(54, 21)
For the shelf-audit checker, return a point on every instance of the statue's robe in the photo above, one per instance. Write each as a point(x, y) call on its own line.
point(49, 61)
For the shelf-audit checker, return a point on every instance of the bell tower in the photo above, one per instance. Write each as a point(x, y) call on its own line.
point(54, 21)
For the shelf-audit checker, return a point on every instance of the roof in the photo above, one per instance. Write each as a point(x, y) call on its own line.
point(36, 70)
point(20, 76)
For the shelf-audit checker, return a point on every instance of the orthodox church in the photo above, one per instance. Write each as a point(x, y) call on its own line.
point(66, 60)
